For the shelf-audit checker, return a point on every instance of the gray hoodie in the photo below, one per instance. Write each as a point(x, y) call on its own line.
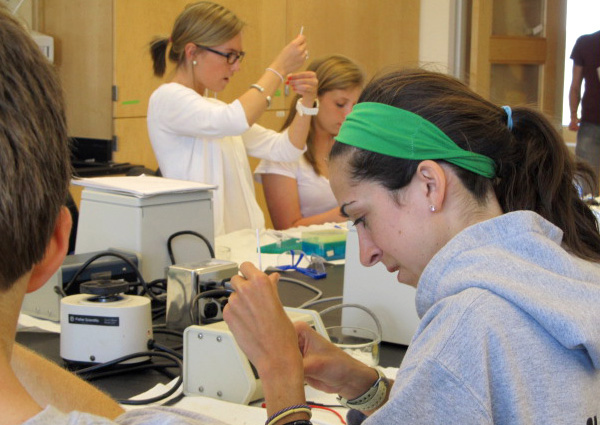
point(510, 332)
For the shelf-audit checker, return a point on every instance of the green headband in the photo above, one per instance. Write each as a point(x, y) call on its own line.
point(392, 131)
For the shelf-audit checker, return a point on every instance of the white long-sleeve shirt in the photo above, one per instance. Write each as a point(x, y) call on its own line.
point(206, 140)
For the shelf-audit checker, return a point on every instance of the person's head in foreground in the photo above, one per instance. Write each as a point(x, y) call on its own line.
point(422, 157)
point(34, 180)
point(34, 153)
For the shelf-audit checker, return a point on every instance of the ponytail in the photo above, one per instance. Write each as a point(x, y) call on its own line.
point(158, 52)
point(539, 174)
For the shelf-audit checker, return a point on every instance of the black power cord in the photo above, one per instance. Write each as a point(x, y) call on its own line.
point(63, 291)
point(212, 293)
point(108, 369)
point(188, 232)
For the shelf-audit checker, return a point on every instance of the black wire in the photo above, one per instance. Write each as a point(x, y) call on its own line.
point(110, 254)
point(176, 363)
point(159, 313)
point(167, 331)
point(188, 232)
point(213, 293)
point(156, 284)
point(178, 334)
point(175, 400)
point(167, 350)
point(91, 376)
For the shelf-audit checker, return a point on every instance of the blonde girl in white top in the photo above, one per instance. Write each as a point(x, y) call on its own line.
point(298, 193)
point(206, 140)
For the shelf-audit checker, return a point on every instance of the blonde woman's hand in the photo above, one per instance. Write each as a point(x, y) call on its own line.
point(292, 57)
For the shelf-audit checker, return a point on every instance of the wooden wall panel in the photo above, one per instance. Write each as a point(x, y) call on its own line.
point(375, 34)
point(133, 142)
point(83, 56)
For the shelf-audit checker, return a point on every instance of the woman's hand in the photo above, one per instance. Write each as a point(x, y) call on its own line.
point(259, 323)
point(292, 57)
point(265, 333)
point(330, 369)
point(304, 84)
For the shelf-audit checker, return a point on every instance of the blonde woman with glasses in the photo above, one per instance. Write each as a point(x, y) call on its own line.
point(198, 138)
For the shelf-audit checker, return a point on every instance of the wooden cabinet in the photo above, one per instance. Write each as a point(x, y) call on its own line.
point(83, 55)
point(514, 59)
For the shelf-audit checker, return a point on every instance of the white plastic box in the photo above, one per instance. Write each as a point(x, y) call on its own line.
point(143, 225)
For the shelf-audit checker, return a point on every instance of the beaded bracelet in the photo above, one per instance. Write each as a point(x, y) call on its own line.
point(372, 399)
point(275, 72)
point(300, 422)
point(296, 408)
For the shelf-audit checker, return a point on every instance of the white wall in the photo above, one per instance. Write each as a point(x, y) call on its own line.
point(436, 35)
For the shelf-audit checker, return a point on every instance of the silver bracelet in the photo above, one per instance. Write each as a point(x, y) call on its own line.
point(262, 90)
point(373, 398)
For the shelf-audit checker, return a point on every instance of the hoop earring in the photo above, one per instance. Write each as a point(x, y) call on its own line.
point(431, 208)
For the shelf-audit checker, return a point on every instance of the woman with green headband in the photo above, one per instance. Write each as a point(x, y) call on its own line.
point(476, 206)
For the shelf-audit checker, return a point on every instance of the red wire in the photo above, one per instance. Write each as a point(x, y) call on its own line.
point(315, 406)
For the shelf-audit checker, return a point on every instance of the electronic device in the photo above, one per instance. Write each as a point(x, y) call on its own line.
point(45, 43)
point(118, 217)
point(215, 366)
point(104, 324)
point(378, 290)
point(44, 303)
point(186, 281)
point(86, 150)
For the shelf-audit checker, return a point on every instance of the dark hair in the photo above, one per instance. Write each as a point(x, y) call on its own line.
point(34, 151)
point(335, 72)
point(203, 23)
point(535, 170)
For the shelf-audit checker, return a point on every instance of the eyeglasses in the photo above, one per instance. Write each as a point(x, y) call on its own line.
point(232, 57)
point(310, 265)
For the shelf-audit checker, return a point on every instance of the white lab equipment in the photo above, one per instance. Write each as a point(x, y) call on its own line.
point(215, 366)
point(120, 218)
point(100, 328)
point(377, 289)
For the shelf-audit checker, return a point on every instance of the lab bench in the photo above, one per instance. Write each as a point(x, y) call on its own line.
point(128, 384)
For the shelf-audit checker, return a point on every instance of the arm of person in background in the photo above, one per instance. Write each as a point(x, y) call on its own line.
point(269, 144)
point(575, 96)
point(290, 59)
point(284, 355)
point(49, 384)
point(304, 84)
point(283, 201)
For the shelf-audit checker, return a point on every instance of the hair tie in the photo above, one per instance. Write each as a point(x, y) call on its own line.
point(509, 121)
